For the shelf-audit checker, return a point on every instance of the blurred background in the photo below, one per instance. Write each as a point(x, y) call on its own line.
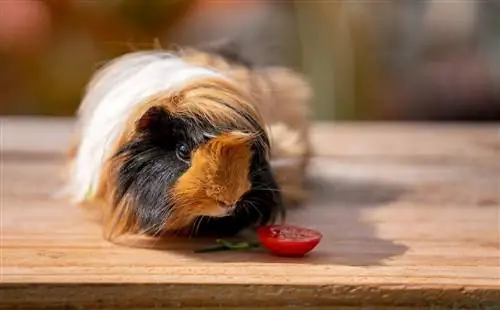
point(366, 60)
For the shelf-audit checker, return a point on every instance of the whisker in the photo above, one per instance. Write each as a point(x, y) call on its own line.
point(258, 171)
point(193, 227)
point(266, 189)
point(199, 225)
point(254, 207)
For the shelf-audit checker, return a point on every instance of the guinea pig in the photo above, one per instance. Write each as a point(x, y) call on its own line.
point(189, 143)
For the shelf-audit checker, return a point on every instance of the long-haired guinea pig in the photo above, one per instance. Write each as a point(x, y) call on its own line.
point(189, 142)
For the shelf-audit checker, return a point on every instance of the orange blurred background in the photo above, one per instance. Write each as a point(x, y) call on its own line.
point(366, 60)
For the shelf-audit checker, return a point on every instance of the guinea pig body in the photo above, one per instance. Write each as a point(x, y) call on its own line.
point(167, 143)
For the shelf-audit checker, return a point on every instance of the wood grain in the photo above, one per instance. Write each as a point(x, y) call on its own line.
point(340, 139)
point(404, 225)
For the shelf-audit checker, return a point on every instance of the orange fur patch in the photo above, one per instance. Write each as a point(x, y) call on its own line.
point(119, 219)
point(217, 179)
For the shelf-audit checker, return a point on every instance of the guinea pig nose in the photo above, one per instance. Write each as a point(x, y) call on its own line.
point(225, 203)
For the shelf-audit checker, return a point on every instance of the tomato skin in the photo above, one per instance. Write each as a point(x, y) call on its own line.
point(287, 245)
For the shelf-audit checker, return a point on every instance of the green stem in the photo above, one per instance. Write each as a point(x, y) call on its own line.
point(223, 245)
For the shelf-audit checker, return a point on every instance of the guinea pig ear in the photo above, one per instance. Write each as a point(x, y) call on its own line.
point(152, 117)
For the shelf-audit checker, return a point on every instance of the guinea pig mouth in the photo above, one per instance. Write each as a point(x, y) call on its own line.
point(227, 208)
point(215, 209)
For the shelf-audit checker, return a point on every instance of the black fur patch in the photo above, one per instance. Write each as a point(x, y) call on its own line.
point(151, 168)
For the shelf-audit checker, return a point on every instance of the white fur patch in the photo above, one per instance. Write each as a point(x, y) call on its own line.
point(110, 99)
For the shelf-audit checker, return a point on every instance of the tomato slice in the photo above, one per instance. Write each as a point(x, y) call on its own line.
point(288, 240)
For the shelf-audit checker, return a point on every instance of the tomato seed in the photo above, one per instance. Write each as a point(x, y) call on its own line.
point(284, 233)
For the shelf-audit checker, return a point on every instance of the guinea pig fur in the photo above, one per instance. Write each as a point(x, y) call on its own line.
point(182, 143)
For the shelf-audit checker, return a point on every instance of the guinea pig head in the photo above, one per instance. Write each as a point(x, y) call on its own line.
point(197, 161)
point(175, 172)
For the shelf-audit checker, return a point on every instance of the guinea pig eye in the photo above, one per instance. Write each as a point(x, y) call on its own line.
point(182, 151)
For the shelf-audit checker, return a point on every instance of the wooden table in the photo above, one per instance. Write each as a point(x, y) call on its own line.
point(410, 216)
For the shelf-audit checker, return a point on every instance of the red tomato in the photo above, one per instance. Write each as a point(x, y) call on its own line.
point(286, 240)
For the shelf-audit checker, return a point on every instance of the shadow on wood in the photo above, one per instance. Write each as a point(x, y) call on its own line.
point(335, 204)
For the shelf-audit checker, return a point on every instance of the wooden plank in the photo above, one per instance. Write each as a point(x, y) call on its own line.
point(403, 231)
point(340, 139)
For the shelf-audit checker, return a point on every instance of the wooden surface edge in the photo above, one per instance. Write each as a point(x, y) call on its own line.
point(52, 135)
point(153, 295)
